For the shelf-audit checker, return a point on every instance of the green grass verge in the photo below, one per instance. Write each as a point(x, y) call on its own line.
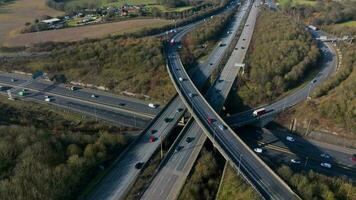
point(297, 2)
point(234, 187)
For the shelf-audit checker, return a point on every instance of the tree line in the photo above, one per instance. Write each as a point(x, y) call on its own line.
point(324, 12)
point(45, 154)
point(311, 185)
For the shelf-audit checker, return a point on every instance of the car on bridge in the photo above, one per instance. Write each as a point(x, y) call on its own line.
point(290, 139)
point(295, 161)
point(257, 150)
point(325, 155)
point(326, 165)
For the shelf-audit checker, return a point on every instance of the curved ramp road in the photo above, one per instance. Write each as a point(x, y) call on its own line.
point(123, 173)
point(175, 168)
point(329, 64)
point(260, 176)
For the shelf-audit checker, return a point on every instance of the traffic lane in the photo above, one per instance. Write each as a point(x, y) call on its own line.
point(301, 146)
point(181, 161)
point(256, 172)
point(296, 97)
point(191, 140)
point(86, 94)
point(143, 150)
point(204, 72)
point(123, 189)
point(311, 148)
point(96, 110)
point(267, 185)
point(107, 114)
point(279, 156)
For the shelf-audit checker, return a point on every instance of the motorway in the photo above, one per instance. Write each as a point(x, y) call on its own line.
point(329, 64)
point(126, 104)
point(175, 168)
point(123, 173)
point(277, 148)
point(256, 172)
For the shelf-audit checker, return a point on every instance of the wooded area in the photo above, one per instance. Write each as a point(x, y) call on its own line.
point(124, 64)
point(311, 185)
point(196, 43)
point(280, 56)
point(323, 12)
point(52, 154)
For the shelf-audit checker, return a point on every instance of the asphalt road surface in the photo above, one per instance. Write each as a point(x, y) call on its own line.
point(122, 175)
point(96, 110)
point(232, 147)
point(328, 67)
point(175, 168)
point(126, 104)
point(309, 152)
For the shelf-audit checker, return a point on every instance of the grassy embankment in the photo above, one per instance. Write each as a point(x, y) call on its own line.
point(133, 65)
point(234, 187)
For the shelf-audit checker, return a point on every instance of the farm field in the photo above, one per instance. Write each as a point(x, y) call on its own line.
point(109, 2)
point(348, 24)
point(79, 33)
point(14, 15)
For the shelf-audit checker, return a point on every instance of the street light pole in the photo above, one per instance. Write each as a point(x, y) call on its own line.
point(160, 138)
point(238, 173)
point(306, 162)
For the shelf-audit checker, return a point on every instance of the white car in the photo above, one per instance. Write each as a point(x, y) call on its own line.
point(94, 96)
point(221, 127)
point(290, 139)
point(295, 161)
point(48, 99)
point(324, 155)
point(258, 150)
point(180, 79)
point(326, 165)
point(153, 105)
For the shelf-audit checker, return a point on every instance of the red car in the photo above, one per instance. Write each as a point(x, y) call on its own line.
point(353, 158)
point(210, 120)
point(152, 139)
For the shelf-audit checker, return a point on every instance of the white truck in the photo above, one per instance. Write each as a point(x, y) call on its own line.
point(259, 112)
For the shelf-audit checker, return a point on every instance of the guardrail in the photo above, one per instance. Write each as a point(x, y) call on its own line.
point(207, 129)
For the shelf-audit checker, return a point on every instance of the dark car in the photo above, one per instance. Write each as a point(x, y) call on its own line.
point(122, 104)
point(139, 165)
point(179, 109)
point(179, 148)
point(167, 119)
point(153, 131)
point(189, 139)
